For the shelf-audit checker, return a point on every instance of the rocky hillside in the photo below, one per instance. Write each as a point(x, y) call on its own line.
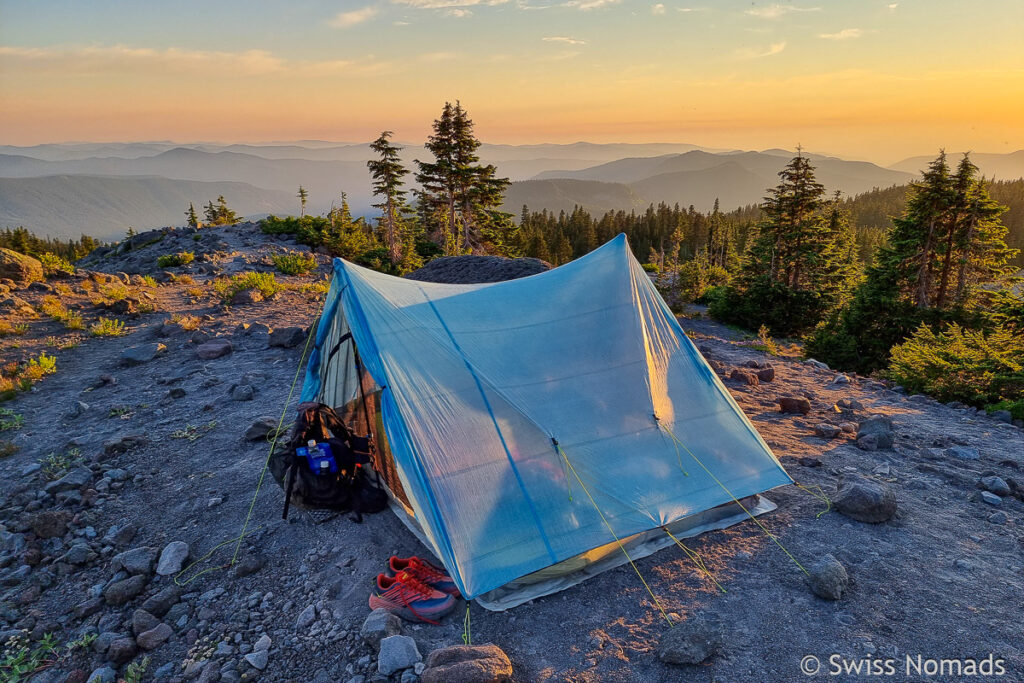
point(133, 449)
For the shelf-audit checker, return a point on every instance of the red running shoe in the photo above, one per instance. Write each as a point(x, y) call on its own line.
point(425, 572)
point(408, 597)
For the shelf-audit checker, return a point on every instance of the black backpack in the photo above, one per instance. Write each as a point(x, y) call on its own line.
point(351, 488)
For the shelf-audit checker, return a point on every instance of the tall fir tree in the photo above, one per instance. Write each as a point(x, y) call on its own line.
point(303, 195)
point(191, 217)
point(387, 172)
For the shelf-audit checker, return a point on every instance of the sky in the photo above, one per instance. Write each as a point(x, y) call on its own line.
point(876, 80)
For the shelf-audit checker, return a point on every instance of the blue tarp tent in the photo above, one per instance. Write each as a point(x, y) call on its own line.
point(517, 413)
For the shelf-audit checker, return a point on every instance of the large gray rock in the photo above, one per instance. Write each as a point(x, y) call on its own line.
point(242, 392)
point(135, 561)
point(828, 578)
point(827, 431)
point(692, 641)
point(50, 523)
point(120, 592)
point(215, 348)
point(143, 621)
point(996, 485)
point(286, 337)
point(468, 664)
point(1002, 416)
point(379, 625)
point(121, 651)
point(172, 558)
point(136, 355)
point(875, 433)
point(397, 653)
point(73, 480)
point(865, 500)
point(963, 453)
point(260, 428)
point(258, 659)
point(20, 268)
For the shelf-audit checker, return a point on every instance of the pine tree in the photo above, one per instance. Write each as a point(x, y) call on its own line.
point(303, 195)
point(465, 195)
point(387, 172)
point(219, 213)
point(191, 217)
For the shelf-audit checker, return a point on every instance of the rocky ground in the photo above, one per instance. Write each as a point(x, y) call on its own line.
point(141, 454)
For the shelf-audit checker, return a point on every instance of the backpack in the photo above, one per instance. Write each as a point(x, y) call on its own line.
point(351, 488)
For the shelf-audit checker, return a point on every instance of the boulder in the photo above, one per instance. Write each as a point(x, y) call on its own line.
point(20, 268)
point(379, 625)
point(172, 558)
point(136, 355)
point(121, 651)
point(875, 433)
point(766, 374)
point(991, 498)
point(158, 605)
point(397, 653)
point(996, 485)
point(143, 621)
point(260, 428)
point(247, 296)
point(468, 664)
point(692, 641)
point(72, 481)
point(214, 348)
point(50, 523)
point(286, 337)
point(242, 392)
point(828, 578)
point(795, 405)
point(1001, 416)
point(865, 500)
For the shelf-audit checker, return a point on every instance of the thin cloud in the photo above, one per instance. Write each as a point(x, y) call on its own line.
point(447, 4)
point(346, 19)
point(754, 53)
point(564, 39)
point(845, 34)
point(590, 4)
point(893, 6)
point(658, 9)
point(459, 13)
point(777, 11)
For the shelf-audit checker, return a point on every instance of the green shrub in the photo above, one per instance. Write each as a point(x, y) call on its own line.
point(52, 264)
point(294, 263)
point(265, 283)
point(961, 364)
point(1016, 408)
point(10, 420)
point(149, 280)
point(651, 267)
point(784, 311)
point(107, 327)
point(7, 449)
point(56, 465)
point(182, 258)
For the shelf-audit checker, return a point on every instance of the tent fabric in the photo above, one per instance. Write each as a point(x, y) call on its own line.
point(480, 382)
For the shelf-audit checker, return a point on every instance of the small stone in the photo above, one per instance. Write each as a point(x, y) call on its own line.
point(840, 379)
point(123, 443)
point(50, 523)
point(379, 625)
point(466, 664)
point(991, 498)
point(876, 433)
point(286, 337)
point(963, 453)
point(849, 404)
point(135, 561)
point(692, 641)
point(136, 355)
point(996, 485)
point(999, 517)
point(143, 621)
point(242, 392)
point(250, 564)
point(247, 296)
point(155, 637)
point(259, 429)
point(263, 643)
point(258, 659)
point(306, 617)
point(848, 427)
point(77, 478)
point(744, 377)
point(766, 374)
point(214, 348)
point(104, 674)
point(827, 431)
point(78, 555)
point(794, 405)
point(397, 653)
point(158, 605)
point(172, 558)
point(121, 651)
point(828, 578)
point(120, 592)
point(817, 364)
point(865, 500)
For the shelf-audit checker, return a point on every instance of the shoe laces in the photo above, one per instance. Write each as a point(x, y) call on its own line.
point(411, 582)
point(426, 569)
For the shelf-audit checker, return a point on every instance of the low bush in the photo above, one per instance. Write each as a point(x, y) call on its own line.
point(960, 364)
point(265, 283)
point(107, 327)
point(53, 264)
point(294, 263)
point(182, 258)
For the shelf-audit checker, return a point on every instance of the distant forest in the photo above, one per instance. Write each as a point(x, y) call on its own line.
point(562, 237)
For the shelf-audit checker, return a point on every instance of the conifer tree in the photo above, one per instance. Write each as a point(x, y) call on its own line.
point(303, 195)
point(465, 195)
point(387, 172)
point(219, 213)
point(191, 217)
